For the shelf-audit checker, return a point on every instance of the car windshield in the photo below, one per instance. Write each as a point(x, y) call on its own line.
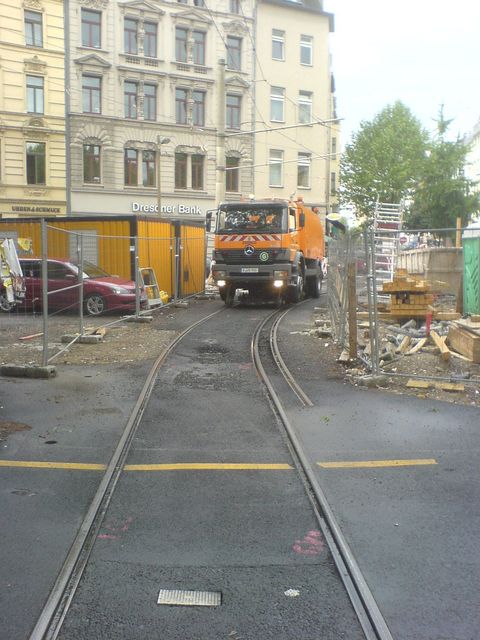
point(91, 270)
point(266, 219)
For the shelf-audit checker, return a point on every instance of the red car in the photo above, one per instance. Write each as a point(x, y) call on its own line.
point(101, 291)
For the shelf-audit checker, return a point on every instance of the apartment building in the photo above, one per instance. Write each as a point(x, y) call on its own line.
point(144, 104)
point(32, 108)
point(136, 92)
point(298, 154)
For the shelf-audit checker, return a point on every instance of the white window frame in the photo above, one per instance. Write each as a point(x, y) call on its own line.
point(277, 100)
point(304, 160)
point(278, 37)
point(306, 45)
point(275, 163)
point(305, 107)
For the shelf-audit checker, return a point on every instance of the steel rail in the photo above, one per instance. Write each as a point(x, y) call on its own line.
point(49, 622)
point(284, 370)
point(365, 606)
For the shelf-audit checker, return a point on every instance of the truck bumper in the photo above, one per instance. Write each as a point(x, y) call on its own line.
point(243, 276)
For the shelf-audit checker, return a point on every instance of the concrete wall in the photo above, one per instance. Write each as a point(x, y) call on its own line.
point(437, 265)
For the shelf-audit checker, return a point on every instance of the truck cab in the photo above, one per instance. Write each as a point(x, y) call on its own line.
point(267, 249)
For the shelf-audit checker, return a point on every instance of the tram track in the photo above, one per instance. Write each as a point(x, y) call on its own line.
point(366, 608)
point(50, 621)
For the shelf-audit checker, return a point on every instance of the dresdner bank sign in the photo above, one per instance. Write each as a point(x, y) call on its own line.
point(176, 209)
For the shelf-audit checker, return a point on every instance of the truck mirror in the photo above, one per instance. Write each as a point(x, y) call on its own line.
point(301, 220)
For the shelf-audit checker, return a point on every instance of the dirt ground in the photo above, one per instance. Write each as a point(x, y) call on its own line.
point(21, 343)
point(418, 368)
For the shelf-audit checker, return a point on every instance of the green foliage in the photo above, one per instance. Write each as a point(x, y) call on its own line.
point(383, 160)
point(442, 193)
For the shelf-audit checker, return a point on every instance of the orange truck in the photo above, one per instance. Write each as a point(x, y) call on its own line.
point(267, 250)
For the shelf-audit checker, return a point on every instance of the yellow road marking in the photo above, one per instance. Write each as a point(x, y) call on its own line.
point(376, 463)
point(208, 466)
point(32, 464)
point(187, 466)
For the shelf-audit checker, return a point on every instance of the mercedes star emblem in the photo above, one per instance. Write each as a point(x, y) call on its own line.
point(249, 250)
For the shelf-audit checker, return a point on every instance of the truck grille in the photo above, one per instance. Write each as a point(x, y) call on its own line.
point(237, 256)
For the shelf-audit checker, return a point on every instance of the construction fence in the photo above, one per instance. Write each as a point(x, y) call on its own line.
point(82, 275)
point(407, 294)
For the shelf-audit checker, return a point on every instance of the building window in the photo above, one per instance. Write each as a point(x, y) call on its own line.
point(91, 28)
point(275, 168)
point(334, 147)
point(199, 38)
point(199, 3)
point(197, 172)
point(181, 170)
point(130, 99)
point(148, 168)
point(278, 44)
point(180, 44)
point(33, 29)
point(181, 106)
point(150, 40)
point(233, 111)
point(304, 163)
point(131, 167)
point(234, 53)
point(91, 163)
point(198, 108)
point(130, 36)
point(149, 102)
point(36, 163)
point(35, 94)
point(305, 107)
point(235, 6)
point(306, 48)
point(232, 174)
point(91, 94)
point(277, 104)
point(333, 183)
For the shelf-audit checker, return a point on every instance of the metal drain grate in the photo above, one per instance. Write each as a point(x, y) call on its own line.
point(190, 598)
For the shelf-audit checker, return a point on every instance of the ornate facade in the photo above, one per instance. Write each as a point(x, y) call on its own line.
point(144, 104)
point(32, 108)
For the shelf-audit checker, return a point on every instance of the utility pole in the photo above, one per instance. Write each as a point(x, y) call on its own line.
point(220, 146)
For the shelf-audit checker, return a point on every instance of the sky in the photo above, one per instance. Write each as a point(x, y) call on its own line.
point(423, 52)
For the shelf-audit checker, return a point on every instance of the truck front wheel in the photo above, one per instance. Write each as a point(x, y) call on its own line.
point(295, 292)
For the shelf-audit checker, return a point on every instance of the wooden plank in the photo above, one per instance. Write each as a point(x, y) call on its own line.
point(446, 315)
point(33, 335)
point(449, 386)
point(352, 309)
point(444, 350)
point(404, 345)
point(421, 343)
point(418, 384)
point(465, 342)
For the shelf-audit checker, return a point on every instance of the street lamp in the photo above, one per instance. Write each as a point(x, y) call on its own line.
point(160, 140)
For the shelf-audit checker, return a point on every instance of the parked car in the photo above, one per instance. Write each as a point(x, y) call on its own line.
point(101, 291)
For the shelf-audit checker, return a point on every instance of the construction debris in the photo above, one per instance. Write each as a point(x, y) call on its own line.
point(409, 296)
point(465, 341)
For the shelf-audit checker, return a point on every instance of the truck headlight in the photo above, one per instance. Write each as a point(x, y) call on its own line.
point(219, 274)
point(221, 283)
point(278, 283)
point(280, 274)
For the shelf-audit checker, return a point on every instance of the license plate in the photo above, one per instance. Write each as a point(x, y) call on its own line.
point(249, 269)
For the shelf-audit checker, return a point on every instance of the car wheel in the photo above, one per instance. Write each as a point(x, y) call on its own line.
point(95, 304)
point(5, 305)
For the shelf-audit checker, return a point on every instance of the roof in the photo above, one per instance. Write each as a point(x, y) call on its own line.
point(312, 6)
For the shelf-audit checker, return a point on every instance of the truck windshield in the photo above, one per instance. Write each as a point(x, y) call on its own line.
point(253, 219)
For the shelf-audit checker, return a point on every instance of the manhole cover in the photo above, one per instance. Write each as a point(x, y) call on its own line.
point(190, 598)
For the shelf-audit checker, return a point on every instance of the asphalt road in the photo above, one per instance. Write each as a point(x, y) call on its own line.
point(246, 533)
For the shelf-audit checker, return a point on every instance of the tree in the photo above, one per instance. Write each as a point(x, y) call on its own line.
point(443, 193)
point(383, 160)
